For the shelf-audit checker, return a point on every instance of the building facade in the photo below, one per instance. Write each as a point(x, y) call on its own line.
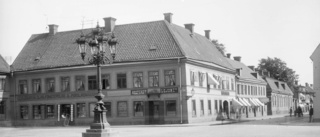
point(315, 57)
point(162, 73)
point(280, 96)
point(250, 90)
point(4, 93)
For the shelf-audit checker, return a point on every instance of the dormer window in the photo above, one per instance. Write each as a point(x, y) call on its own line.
point(284, 86)
point(238, 71)
point(277, 84)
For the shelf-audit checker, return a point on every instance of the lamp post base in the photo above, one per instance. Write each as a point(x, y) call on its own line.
point(100, 133)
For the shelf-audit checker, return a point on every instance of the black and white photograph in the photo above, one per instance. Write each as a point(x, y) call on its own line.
point(159, 68)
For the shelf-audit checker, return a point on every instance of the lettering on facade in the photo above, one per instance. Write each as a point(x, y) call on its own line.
point(169, 90)
point(225, 93)
point(139, 92)
point(54, 96)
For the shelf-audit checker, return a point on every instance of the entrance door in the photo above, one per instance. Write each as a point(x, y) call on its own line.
point(226, 108)
point(155, 112)
point(67, 110)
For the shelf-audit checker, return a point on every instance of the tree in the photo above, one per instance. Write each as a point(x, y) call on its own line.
point(278, 70)
point(219, 46)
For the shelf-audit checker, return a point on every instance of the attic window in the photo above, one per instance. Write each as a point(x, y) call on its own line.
point(37, 59)
point(152, 48)
point(284, 86)
point(277, 84)
point(238, 71)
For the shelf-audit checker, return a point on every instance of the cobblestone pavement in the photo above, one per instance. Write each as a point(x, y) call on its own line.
point(282, 126)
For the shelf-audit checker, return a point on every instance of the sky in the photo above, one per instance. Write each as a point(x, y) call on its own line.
point(252, 29)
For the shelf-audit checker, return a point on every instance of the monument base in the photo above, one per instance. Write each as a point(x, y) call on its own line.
point(100, 133)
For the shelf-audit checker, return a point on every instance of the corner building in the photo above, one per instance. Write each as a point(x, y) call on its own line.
point(315, 57)
point(162, 73)
point(4, 93)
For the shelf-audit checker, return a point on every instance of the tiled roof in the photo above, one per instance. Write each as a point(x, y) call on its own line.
point(245, 72)
point(278, 89)
point(4, 66)
point(310, 90)
point(135, 40)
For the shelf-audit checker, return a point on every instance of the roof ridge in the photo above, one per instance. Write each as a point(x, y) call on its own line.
point(175, 39)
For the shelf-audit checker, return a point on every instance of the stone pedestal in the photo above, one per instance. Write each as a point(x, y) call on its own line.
point(100, 133)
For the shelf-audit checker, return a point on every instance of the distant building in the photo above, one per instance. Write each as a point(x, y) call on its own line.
point(250, 89)
point(4, 93)
point(315, 57)
point(162, 73)
point(280, 96)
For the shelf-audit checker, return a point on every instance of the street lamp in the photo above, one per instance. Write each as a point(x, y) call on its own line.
point(98, 41)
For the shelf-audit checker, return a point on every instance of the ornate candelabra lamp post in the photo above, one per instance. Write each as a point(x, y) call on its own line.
point(98, 42)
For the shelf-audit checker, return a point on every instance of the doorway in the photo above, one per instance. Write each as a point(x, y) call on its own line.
point(226, 108)
point(154, 112)
point(67, 110)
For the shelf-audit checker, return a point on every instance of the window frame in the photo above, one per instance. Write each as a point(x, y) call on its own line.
point(24, 87)
point(24, 113)
point(105, 80)
point(81, 78)
point(168, 76)
point(123, 81)
point(153, 77)
point(34, 82)
point(194, 108)
point(138, 77)
point(171, 113)
point(83, 111)
point(50, 89)
point(92, 82)
point(51, 113)
point(138, 113)
point(63, 81)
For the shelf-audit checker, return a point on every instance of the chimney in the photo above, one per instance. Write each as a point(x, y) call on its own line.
point(251, 67)
point(228, 55)
point(53, 29)
point(237, 58)
point(207, 33)
point(189, 27)
point(168, 17)
point(311, 86)
point(307, 85)
point(109, 24)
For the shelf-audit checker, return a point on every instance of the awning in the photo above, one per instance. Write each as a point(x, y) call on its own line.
point(264, 100)
point(3, 76)
point(252, 101)
point(245, 102)
point(260, 103)
point(212, 80)
point(235, 102)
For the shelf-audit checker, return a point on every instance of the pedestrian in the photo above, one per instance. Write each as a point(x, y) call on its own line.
point(299, 111)
point(310, 114)
point(290, 111)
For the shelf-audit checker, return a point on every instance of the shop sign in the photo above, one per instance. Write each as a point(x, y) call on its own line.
point(169, 90)
point(55, 95)
point(153, 91)
point(139, 92)
point(225, 93)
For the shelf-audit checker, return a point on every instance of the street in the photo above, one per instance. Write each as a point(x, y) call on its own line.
point(278, 126)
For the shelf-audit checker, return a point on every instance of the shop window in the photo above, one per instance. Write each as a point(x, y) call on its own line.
point(36, 86)
point(209, 107)
point(91, 109)
point(23, 87)
point(153, 79)
point(170, 78)
point(122, 108)
point(2, 83)
point(65, 84)
point(171, 107)
point(37, 112)
point(194, 111)
point(24, 112)
point(201, 108)
point(50, 111)
point(106, 81)
point(81, 110)
point(122, 80)
point(107, 105)
point(201, 79)
point(138, 108)
point(2, 110)
point(92, 83)
point(137, 79)
point(80, 83)
point(50, 85)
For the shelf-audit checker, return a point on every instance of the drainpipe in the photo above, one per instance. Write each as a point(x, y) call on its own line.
point(180, 90)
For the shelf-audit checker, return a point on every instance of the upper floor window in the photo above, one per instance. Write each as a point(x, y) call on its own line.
point(92, 82)
point(201, 78)
point(50, 84)
point(232, 84)
point(36, 86)
point(122, 80)
point(23, 87)
point(65, 84)
point(193, 77)
point(170, 78)
point(137, 79)
point(106, 81)
point(153, 79)
point(2, 83)
point(228, 83)
point(80, 83)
